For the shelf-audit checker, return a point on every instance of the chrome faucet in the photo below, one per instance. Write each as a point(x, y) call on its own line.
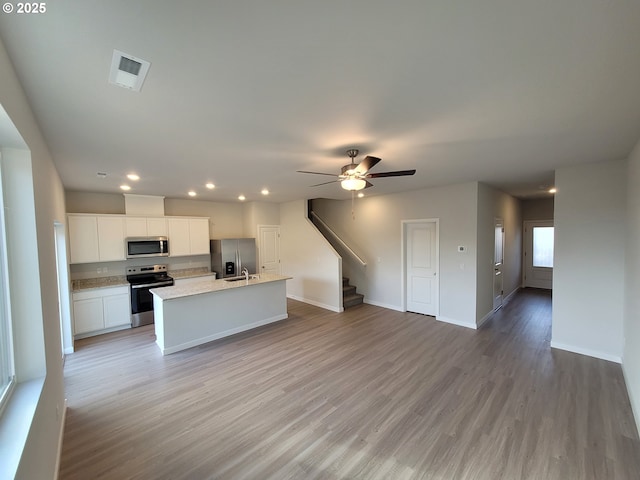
point(245, 272)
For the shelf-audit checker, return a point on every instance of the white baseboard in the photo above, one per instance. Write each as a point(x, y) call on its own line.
point(635, 407)
point(60, 439)
point(316, 304)
point(217, 336)
point(383, 305)
point(586, 351)
point(460, 323)
point(508, 297)
point(485, 318)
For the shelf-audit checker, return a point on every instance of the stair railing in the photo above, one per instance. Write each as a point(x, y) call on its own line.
point(335, 236)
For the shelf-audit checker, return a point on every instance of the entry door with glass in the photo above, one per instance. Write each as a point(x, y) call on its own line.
point(538, 254)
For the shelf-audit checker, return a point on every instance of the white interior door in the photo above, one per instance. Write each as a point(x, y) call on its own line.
point(498, 261)
point(538, 253)
point(269, 248)
point(421, 266)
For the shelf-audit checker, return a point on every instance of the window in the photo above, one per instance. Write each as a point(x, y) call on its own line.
point(7, 378)
point(543, 247)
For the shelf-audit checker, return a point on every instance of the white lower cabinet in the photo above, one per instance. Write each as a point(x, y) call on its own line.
point(100, 310)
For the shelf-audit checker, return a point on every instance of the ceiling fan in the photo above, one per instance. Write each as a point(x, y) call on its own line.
point(353, 177)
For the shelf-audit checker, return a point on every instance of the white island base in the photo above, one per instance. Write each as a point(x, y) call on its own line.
point(211, 309)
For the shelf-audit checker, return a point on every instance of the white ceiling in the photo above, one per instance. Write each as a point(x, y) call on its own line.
point(244, 93)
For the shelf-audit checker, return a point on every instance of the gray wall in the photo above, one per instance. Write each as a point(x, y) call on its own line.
point(36, 321)
point(375, 234)
point(226, 220)
point(537, 209)
point(589, 259)
point(315, 268)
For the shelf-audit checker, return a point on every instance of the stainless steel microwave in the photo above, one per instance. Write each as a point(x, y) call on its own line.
point(147, 247)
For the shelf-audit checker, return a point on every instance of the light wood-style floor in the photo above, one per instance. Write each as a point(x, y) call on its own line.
point(367, 394)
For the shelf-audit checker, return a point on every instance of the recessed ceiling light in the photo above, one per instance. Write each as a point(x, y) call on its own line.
point(133, 176)
point(210, 186)
point(265, 191)
point(192, 193)
point(242, 198)
point(125, 187)
point(552, 190)
point(360, 195)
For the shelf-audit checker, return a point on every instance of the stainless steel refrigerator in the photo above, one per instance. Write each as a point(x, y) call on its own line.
point(231, 255)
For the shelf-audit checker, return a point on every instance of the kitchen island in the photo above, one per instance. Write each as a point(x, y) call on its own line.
point(209, 309)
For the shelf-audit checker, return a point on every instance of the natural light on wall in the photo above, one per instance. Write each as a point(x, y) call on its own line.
point(7, 378)
point(543, 247)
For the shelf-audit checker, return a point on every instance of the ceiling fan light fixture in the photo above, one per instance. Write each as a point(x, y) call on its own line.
point(353, 184)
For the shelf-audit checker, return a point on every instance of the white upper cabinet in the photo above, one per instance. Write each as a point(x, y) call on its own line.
point(199, 236)
point(188, 236)
point(96, 238)
point(101, 238)
point(146, 226)
point(179, 239)
point(136, 226)
point(83, 238)
point(157, 227)
point(111, 238)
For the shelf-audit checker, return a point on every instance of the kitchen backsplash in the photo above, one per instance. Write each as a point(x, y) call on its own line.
point(83, 271)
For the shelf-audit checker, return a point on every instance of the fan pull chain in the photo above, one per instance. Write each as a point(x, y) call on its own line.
point(353, 200)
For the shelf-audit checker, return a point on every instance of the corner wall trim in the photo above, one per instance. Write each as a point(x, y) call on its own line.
point(460, 323)
point(60, 439)
point(636, 413)
point(316, 304)
point(587, 352)
point(383, 305)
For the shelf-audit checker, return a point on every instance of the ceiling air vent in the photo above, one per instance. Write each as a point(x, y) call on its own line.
point(128, 71)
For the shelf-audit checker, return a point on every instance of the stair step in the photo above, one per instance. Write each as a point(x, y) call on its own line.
point(352, 300)
point(345, 281)
point(348, 290)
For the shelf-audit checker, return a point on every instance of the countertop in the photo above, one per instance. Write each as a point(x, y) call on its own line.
point(209, 285)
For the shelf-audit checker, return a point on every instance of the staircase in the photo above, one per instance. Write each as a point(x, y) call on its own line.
point(349, 295)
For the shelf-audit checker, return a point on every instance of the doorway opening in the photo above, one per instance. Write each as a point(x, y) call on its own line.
point(64, 310)
point(498, 262)
point(538, 254)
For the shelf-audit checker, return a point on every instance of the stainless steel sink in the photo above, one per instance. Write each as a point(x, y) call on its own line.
point(237, 279)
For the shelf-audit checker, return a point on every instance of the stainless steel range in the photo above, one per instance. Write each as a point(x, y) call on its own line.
point(141, 280)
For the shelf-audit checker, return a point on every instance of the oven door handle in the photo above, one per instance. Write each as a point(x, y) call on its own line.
point(152, 285)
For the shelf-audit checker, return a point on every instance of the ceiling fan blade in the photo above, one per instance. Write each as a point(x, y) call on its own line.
point(324, 183)
point(317, 173)
point(366, 164)
point(369, 184)
point(399, 173)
